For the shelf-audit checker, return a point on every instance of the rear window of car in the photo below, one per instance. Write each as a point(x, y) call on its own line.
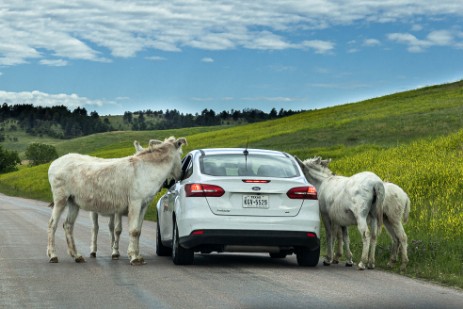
point(250, 165)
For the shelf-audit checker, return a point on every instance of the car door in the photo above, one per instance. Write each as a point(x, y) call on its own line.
point(169, 201)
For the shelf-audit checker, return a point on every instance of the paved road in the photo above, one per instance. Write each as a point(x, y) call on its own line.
point(254, 281)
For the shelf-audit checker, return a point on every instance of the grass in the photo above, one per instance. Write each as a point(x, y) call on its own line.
point(431, 172)
point(412, 138)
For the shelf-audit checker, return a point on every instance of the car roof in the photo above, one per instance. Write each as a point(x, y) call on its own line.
point(215, 151)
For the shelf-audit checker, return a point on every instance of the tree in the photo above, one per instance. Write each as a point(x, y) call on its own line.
point(8, 160)
point(38, 153)
point(273, 114)
point(127, 117)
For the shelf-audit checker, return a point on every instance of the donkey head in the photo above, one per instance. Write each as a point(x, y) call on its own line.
point(176, 171)
point(315, 169)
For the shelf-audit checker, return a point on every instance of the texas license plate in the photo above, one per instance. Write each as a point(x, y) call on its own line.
point(255, 201)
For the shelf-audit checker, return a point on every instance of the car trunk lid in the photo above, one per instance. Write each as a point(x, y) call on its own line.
point(255, 197)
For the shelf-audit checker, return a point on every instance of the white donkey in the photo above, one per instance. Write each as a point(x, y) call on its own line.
point(110, 186)
point(346, 201)
point(396, 209)
point(115, 220)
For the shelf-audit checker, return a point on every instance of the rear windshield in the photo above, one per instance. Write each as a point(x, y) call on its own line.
point(250, 165)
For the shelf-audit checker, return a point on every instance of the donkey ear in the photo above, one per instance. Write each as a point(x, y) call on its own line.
point(181, 141)
point(301, 164)
point(318, 160)
point(325, 162)
point(153, 142)
point(138, 147)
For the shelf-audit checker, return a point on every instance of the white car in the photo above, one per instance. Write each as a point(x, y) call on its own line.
point(239, 200)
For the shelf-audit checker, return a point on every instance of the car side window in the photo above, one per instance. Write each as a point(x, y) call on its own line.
point(187, 167)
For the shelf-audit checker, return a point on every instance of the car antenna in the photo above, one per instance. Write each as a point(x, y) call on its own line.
point(246, 153)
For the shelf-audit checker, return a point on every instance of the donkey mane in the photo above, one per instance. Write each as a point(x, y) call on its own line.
point(320, 165)
point(158, 151)
point(160, 148)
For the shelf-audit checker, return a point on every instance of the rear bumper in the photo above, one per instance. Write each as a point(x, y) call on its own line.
point(251, 238)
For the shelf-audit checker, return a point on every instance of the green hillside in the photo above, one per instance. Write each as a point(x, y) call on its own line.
point(413, 138)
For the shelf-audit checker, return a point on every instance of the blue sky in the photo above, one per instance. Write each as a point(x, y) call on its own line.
point(116, 56)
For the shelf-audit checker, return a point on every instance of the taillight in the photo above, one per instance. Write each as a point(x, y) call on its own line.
point(203, 190)
point(303, 193)
point(255, 181)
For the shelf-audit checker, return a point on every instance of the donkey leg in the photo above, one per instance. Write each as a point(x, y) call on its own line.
point(403, 239)
point(116, 236)
point(365, 235)
point(394, 245)
point(73, 211)
point(329, 242)
point(345, 236)
point(373, 240)
point(93, 244)
point(338, 254)
point(59, 205)
point(136, 215)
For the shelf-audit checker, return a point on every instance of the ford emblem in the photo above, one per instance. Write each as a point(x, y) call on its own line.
point(256, 188)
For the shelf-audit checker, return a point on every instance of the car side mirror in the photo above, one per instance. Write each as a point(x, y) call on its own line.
point(168, 183)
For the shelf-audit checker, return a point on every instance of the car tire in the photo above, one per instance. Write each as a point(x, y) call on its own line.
point(161, 250)
point(307, 256)
point(180, 255)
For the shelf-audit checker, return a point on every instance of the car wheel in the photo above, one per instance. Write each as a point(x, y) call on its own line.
point(161, 250)
point(180, 255)
point(307, 256)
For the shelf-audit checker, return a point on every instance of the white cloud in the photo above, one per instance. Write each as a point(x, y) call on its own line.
point(207, 60)
point(320, 47)
point(100, 30)
point(156, 58)
point(417, 27)
point(434, 38)
point(281, 68)
point(54, 62)
point(38, 98)
point(441, 38)
point(371, 42)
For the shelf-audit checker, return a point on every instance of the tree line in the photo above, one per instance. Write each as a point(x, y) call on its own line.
point(60, 122)
point(174, 119)
point(55, 121)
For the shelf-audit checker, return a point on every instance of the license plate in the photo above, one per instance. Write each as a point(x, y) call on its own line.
point(255, 201)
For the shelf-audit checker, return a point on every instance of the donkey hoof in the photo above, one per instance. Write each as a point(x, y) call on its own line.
point(53, 259)
point(80, 259)
point(326, 263)
point(115, 256)
point(335, 261)
point(349, 264)
point(391, 263)
point(137, 261)
point(93, 255)
point(361, 266)
point(371, 266)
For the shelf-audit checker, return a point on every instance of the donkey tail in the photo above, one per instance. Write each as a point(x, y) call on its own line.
point(406, 210)
point(378, 202)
